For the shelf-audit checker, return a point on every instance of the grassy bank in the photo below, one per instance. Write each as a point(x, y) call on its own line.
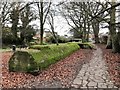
point(50, 54)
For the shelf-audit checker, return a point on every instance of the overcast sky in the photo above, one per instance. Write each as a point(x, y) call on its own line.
point(60, 25)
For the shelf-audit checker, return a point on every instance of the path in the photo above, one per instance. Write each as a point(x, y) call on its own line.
point(94, 74)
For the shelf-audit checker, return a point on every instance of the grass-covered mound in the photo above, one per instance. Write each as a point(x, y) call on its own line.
point(52, 53)
point(44, 56)
point(30, 61)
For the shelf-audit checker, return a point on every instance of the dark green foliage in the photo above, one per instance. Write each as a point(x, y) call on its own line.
point(26, 30)
point(26, 34)
point(9, 39)
point(22, 62)
point(7, 36)
point(61, 39)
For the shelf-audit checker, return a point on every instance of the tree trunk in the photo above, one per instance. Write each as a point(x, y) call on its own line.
point(51, 23)
point(115, 37)
point(55, 37)
point(109, 42)
point(88, 32)
point(56, 40)
point(96, 39)
point(0, 35)
point(14, 16)
point(41, 24)
point(88, 27)
point(14, 31)
point(112, 28)
point(84, 32)
point(95, 26)
point(96, 33)
point(41, 34)
point(43, 17)
point(116, 44)
point(85, 22)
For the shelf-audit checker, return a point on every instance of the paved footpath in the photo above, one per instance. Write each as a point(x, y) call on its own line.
point(94, 74)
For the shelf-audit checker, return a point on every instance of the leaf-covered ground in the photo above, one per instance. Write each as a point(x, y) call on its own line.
point(113, 63)
point(57, 75)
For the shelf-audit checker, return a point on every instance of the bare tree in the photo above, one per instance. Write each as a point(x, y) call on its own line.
point(93, 10)
point(5, 11)
point(72, 14)
point(43, 10)
point(112, 28)
point(14, 16)
point(81, 15)
point(51, 23)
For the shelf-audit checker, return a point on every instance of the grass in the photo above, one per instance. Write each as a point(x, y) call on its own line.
point(52, 53)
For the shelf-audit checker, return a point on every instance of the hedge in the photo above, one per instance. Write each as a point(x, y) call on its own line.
point(39, 47)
